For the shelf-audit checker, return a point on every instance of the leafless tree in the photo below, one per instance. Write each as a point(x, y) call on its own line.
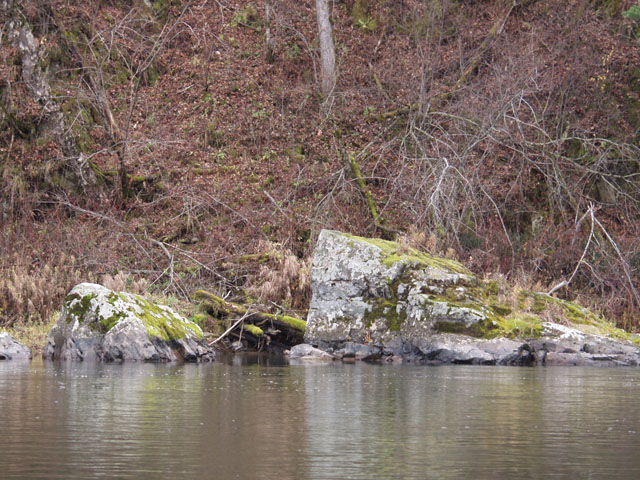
point(327, 50)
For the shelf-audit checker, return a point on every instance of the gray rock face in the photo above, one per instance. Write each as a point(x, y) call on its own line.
point(11, 349)
point(373, 301)
point(364, 290)
point(449, 348)
point(562, 345)
point(550, 350)
point(98, 324)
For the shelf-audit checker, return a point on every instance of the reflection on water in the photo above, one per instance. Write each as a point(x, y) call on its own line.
point(254, 417)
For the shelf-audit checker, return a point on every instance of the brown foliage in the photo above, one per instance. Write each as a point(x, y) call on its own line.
point(495, 170)
point(283, 280)
point(32, 293)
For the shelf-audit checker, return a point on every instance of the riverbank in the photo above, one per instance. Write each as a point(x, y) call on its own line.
point(32, 335)
point(372, 300)
point(233, 162)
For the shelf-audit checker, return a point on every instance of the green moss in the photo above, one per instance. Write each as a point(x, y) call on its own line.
point(518, 325)
point(577, 316)
point(107, 323)
point(362, 17)
point(388, 310)
point(539, 303)
point(161, 323)
point(215, 305)
point(501, 309)
point(158, 322)
point(247, 17)
point(571, 311)
point(295, 323)
point(491, 288)
point(256, 331)
point(252, 178)
point(484, 329)
point(393, 253)
point(77, 306)
point(259, 258)
point(160, 9)
point(200, 318)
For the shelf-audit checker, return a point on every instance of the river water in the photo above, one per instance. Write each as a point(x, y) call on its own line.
point(256, 417)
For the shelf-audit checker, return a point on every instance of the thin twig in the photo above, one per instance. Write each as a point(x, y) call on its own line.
point(231, 328)
point(625, 265)
point(277, 206)
point(564, 283)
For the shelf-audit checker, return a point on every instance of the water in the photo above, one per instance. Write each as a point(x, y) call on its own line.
point(259, 418)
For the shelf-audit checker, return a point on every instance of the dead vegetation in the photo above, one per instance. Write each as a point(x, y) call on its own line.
point(502, 134)
point(282, 279)
point(31, 293)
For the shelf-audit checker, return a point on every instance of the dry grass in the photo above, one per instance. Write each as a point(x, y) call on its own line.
point(30, 293)
point(418, 239)
point(33, 335)
point(124, 282)
point(283, 280)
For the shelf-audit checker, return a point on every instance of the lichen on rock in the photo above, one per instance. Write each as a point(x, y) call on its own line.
point(371, 289)
point(97, 323)
point(396, 302)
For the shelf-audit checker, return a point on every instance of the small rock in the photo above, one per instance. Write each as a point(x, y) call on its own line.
point(11, 349)
point(362, 352)
point(305, 351)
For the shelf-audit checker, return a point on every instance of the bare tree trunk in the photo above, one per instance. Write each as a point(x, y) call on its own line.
point(270, 41)
point(52, 121)
point(327, 51)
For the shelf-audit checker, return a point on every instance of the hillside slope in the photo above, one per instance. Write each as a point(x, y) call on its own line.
point(163, 145)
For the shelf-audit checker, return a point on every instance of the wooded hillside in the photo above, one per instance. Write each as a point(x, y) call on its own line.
point(175, 145)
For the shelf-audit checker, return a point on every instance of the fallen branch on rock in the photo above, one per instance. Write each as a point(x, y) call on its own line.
point(273, 330)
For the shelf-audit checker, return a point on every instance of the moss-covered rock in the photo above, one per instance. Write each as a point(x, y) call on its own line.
point(97, 323)
point(374, 290)
point(411, 304)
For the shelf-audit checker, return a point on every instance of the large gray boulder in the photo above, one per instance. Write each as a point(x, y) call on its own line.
point(369, 290)
point(11, 349)
point(98, 324)
point(376, 300)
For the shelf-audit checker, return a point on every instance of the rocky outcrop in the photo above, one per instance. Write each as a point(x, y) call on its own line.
point(375, 300)
point(98, 324)
point(11, 349)
point(562, 345)
point(369, 290)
